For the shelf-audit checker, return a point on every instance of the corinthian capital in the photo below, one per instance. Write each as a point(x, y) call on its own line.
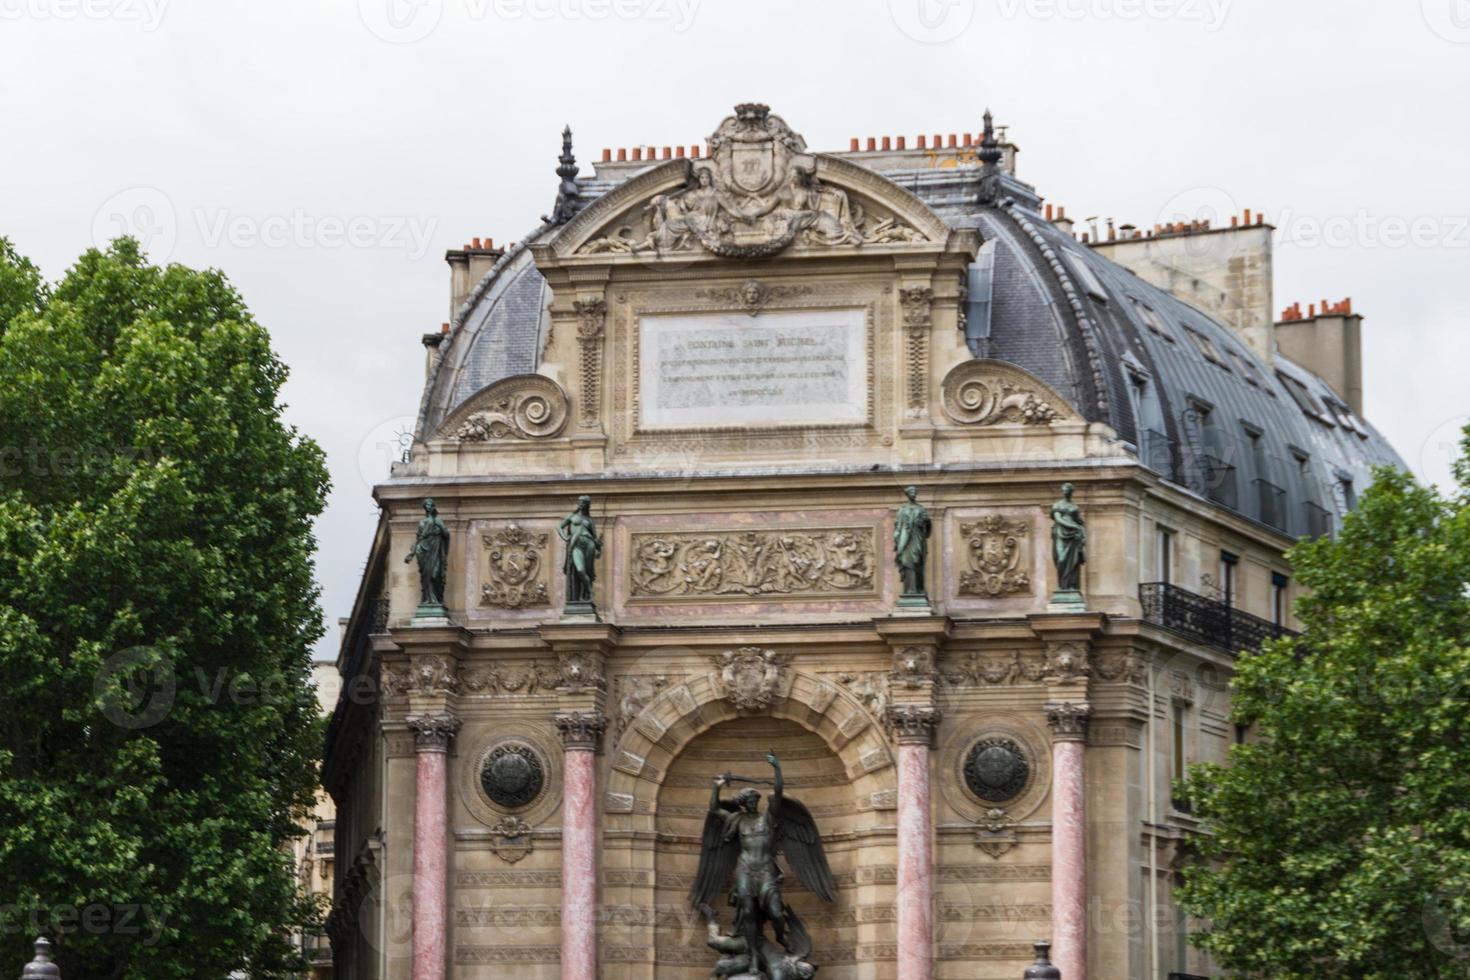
point(581, 729)
point(1067, 719)
point(913, 723)
point(432, 732)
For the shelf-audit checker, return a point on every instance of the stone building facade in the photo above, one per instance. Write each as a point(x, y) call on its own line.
point(743, 353)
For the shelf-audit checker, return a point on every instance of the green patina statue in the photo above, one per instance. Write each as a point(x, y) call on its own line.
point(1068, 542)
point(431, 549)
point(911, 544)
point(584, 547)
point(740, 844)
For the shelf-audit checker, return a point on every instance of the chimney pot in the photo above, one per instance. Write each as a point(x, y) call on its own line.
point(885, 143)
point(922, 141)
point(622, 153)
point(953, 141)
point(900, 142)
point(476, 241)
point(872, 144)
point(606, 154)
point(852, 146)
point(968, 140)
point(444, 328)
point(637, 153)
point(1048, 212)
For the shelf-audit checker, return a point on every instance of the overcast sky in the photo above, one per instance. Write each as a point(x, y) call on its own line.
point(325, 154)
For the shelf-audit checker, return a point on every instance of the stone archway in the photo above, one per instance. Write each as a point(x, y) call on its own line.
point(657, 788)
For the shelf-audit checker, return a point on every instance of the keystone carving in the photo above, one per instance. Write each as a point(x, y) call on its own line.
point(750, 676)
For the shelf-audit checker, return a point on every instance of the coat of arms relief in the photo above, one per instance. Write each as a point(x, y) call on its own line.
point(756, 194)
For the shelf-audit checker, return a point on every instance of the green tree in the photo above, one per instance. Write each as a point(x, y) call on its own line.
point(158, 736)
point(1338, 841)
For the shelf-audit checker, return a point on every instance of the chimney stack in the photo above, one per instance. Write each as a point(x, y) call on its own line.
point(1328, 341)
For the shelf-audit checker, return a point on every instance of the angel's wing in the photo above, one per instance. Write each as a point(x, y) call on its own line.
point(717, 859)
point(797, 838)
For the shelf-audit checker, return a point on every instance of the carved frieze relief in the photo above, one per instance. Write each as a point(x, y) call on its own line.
point(995, 669)
point(997, 551)
point(509, 679)
point(752, 295)
point(591, 325)
point(836, 561)
point(986, 392)
point(516, 562)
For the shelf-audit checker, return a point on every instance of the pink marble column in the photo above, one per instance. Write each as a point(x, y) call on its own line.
point(913, 727)
point(580, 732)
point(1068, 721)
point(432, 734)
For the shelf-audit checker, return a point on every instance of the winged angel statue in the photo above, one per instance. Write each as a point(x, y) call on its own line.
point(742, 841)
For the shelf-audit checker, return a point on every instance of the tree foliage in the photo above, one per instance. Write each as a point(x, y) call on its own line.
point(158, 739)
point(1338, 841)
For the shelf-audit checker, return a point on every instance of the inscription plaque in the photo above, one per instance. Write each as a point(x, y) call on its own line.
point(768, 370)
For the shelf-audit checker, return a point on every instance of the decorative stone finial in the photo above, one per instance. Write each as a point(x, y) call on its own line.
point(41, 968)
point(990, 156)
point(568, 197)
point(1042, 968)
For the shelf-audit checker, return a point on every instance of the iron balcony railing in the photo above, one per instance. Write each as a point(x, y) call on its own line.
point(1317, 518)
point(1212, 477)
point(1205, 620)
point(1271, 501)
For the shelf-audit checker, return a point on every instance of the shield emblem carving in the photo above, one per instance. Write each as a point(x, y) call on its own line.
point(753, 165)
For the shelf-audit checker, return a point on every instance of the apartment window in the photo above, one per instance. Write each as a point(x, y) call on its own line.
point(1228, 566)
point(1164, 544)
point(1346, 492)
point(1279, 602)
point(1179, 764)
point(1241, 731)
point(1304, 399)
point(1243, 365)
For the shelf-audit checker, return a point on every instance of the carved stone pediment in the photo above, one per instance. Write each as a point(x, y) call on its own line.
point(758, 193)
point(987, 392)
point(519, 408)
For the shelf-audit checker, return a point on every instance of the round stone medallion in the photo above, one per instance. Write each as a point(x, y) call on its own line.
point(512, 775)
point(996, 770)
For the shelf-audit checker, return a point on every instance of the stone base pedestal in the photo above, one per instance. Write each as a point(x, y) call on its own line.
point(580, 612)
point(913, 604)
point(1066, 600)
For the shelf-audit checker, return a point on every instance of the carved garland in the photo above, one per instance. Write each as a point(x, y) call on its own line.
point(918, 318)
point(591, 324)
